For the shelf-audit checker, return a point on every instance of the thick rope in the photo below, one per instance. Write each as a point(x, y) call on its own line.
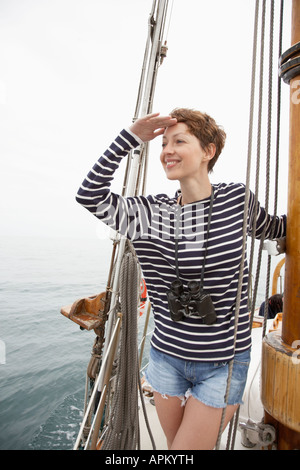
point(122, 432)
point(123, 425)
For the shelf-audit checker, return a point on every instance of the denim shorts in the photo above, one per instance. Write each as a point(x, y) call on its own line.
point(205, 381)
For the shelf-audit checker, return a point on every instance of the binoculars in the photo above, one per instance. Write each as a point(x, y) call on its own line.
point(193, 303)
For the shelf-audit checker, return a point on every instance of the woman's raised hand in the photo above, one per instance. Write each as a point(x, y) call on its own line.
point(151, 126)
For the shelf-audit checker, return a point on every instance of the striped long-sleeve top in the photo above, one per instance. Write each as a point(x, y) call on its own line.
point(149, 222)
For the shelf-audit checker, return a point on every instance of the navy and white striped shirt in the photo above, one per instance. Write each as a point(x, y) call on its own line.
point(149, 222)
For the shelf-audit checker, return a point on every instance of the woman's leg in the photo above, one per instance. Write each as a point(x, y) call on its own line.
point(192, 427)
point(200, 426)
point(170, 413)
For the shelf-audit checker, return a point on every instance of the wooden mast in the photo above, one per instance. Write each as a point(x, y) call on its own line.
point(280, 359)
point(291, 322)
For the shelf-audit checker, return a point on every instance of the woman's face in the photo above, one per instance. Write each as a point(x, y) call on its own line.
point(182, 156)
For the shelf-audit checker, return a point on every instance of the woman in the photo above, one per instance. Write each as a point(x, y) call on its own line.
point(194, 236)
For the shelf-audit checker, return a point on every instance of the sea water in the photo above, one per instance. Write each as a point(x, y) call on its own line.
point(43, 355)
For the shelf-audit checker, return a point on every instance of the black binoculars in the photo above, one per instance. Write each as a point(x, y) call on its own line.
point(195, 303)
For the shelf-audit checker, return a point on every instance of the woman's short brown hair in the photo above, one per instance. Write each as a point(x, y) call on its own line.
point(204, 128)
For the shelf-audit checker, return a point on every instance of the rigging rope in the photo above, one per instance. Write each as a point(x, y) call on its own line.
point(245, 217)
point(258, 158)
point(268, 153)
point(268, 159)
point(234, 421)
point(276, 165)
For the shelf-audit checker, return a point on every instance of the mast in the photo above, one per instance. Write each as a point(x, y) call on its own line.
point(291, 317)
point(280, 359)
point(136, 165)
point(144, 104)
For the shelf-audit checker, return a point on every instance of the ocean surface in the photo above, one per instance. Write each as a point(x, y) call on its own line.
point(43, 355)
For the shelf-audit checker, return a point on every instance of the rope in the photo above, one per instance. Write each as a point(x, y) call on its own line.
point(169, 22)
point(234, 421)
point(268, 162)
point(276, 171)
point(122, 428)
point(230, 369)
point(232, 430)
point(122, 432)
point(267, 194)
point(258, 161)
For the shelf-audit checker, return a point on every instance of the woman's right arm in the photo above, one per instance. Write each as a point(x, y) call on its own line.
point(95, 194)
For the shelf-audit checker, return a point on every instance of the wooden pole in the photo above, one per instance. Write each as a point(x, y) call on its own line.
point(280, 382)
point(291, 304)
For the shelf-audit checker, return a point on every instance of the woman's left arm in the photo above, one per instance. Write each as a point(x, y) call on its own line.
point(275, 226)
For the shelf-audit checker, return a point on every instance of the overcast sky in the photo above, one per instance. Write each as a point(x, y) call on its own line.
point(69, 77)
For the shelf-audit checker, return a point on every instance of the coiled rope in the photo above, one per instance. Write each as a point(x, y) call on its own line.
point(122, 432)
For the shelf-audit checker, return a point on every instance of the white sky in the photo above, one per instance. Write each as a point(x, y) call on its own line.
point(69, 77)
